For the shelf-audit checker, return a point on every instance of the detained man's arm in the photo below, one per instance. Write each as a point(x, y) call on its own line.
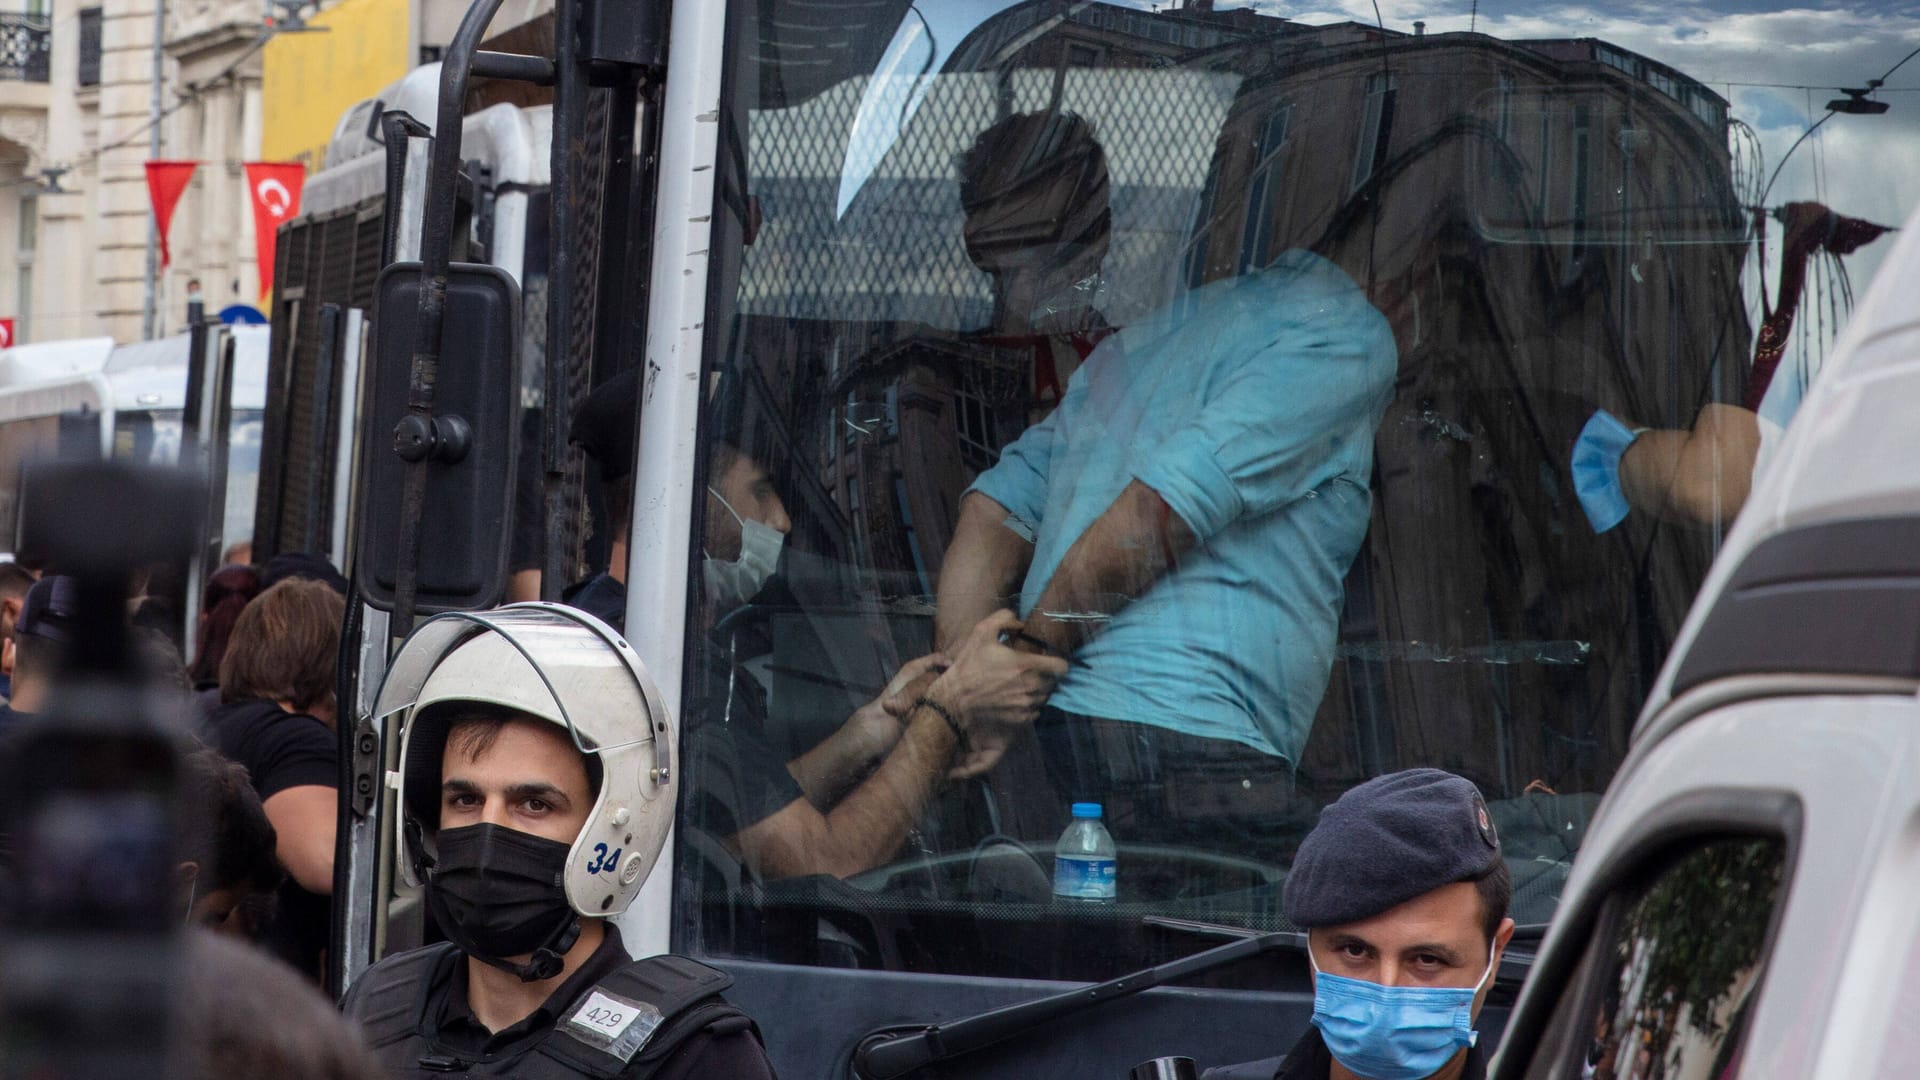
point(983, 565)
point(1696, 475)
point(988, 682)
point(826, 771)
point(1117, 559)
point(303, 820)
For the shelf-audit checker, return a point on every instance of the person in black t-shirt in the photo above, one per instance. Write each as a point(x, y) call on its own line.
point(276, 718)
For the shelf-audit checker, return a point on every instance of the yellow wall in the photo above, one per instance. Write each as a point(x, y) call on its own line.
point(311, 79)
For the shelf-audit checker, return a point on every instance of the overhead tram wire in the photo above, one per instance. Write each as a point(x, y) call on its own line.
point(1877, 88)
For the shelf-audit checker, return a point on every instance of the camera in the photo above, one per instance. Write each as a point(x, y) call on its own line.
point(90, 803)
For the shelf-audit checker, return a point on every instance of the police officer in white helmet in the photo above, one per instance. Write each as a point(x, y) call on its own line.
point(536, 793)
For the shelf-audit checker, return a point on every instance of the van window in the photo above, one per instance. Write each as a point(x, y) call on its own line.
point(147, 437)
point(1668, 987)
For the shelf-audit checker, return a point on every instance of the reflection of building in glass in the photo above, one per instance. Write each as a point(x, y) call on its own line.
point(1548, 226)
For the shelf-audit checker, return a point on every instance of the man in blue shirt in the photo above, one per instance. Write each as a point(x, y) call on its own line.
point(1181, 525)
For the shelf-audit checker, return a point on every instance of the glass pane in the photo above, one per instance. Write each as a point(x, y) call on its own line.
point(147, 438)
point(1676, 979)
point(22, 442)
point(1340, 398)
point(243, 473)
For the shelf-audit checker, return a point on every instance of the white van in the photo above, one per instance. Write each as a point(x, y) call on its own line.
point(1743, 904)
point(139, 394)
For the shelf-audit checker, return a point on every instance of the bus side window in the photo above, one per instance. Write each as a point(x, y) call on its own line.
point(21, 441)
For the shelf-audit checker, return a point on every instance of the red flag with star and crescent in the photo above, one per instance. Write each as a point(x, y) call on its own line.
point(274, 189)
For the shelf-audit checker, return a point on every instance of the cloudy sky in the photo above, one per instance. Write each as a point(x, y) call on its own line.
point(1777, 63)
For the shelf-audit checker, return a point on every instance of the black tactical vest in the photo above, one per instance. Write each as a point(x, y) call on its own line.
point(626, 1025)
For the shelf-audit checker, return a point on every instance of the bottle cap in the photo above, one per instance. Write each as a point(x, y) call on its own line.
point(1086, 809)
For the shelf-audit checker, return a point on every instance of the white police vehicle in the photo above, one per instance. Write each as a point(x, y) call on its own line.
point(1743, 900)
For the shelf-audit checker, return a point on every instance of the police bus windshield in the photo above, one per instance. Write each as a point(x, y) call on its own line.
point(1326, 395)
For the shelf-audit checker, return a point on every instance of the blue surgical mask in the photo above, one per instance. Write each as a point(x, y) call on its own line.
point(1596, 469)
point(1393, 1032)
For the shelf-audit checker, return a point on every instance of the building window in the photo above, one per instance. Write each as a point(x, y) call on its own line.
point(1198, 246)
point(1376, 128)
point(29, 239)
point(89, 27)
point(974, 425)
point(1582, 161)
point(1082, 56)
point(855, 527)
point(1707, 109)
point(1503, 122)
point(1256, 239)
point(912, 535)
point(1541, 197)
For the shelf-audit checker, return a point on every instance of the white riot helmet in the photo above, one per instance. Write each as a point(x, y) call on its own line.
point(553, 663)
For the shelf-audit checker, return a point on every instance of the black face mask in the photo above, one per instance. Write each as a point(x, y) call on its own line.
point(498, 892)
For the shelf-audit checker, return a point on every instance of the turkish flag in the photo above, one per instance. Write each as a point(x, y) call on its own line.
point(6, 333)
point(166, 182)
point(274, 188)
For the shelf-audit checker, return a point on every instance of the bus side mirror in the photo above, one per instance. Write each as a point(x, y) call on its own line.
point(470, 444)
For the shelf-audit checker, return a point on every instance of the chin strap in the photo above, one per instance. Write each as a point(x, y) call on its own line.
point(547, 961)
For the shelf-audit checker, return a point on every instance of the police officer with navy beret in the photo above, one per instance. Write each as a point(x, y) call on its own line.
point(1403, 893)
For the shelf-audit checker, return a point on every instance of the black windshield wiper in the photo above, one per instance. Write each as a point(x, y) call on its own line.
point(891, 1053)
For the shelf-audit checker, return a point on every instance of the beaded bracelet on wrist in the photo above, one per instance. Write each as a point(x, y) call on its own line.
point(959, 733)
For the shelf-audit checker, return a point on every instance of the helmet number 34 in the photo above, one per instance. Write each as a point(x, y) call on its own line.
point(604, 861)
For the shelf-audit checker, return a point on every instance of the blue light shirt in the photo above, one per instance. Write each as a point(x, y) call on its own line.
point(1249, 406)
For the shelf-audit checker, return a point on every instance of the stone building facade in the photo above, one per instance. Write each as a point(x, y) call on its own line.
point(74, 138)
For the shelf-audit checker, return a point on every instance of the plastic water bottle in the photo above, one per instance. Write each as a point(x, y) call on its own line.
point(1083, 860)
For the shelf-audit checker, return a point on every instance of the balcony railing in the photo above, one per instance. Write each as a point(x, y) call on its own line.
point(25, 43)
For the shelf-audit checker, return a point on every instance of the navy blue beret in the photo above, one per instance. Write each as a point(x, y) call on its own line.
point(1387, 841)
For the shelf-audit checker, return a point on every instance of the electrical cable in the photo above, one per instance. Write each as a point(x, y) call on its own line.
point(1875, 86)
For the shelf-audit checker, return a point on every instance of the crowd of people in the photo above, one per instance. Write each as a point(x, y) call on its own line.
point(258, 782)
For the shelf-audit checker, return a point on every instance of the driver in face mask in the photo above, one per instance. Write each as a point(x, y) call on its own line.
point(747, 525)
point(848, 802)
point(1403, 893)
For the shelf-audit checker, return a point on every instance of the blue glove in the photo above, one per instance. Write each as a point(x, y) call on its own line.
point(1596, 469)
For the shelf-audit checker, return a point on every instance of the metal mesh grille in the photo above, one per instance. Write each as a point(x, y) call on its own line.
point(25, 45)
point(589, 165)
point(328, 260)
point(905, 219)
